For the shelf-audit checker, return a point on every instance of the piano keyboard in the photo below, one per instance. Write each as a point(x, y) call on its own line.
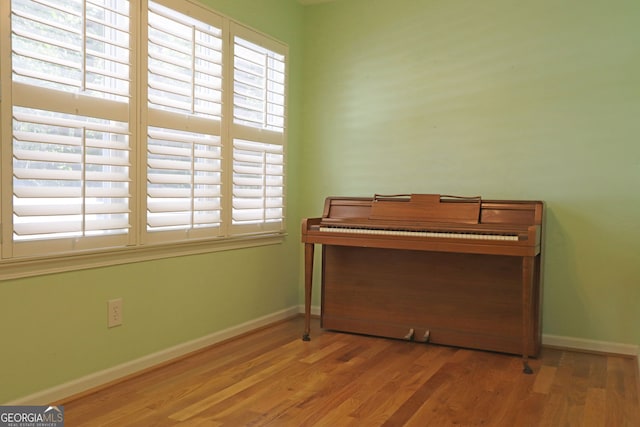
point(437, 234)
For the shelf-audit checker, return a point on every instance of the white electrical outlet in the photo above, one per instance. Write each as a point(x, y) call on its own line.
point(114, 312)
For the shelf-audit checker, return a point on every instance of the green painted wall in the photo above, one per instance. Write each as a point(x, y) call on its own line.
point(53, 328)
point(499, 98)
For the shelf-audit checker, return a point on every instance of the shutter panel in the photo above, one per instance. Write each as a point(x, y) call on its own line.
point(258, 136)
point(259, 83)
point(71, 138)
point(73, 47)
point(71, 175)
point(184, 153)
point(184, 62)
point(183, 180)
point(258, 184)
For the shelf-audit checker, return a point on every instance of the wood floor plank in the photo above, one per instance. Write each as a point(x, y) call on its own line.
point(520, 405)
point(594, 414)
point(273, 378)
point(544, 379)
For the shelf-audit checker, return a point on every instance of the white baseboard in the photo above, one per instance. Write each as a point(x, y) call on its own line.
point(593, 346)
point(106, 376)
point(315, 310)
point(590, 345)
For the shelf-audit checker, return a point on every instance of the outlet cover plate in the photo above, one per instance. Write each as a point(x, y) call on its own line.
point(114, 312)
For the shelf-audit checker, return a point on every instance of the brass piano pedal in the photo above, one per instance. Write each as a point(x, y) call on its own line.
point(427, 335)
point(410, 335)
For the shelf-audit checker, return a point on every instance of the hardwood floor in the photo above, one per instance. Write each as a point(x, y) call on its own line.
point(273, 378)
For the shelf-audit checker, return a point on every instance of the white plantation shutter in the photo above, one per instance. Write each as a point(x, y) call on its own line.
point(183, 180)
point(259, 80)
point(185, 62)
point(74, 46)
point(71, 138)
point(71, 175)
point(183, 139)
point(258, 185)
point(137, 123)
point(258, 133)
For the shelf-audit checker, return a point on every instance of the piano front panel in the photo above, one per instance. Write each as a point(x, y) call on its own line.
point(387, 292)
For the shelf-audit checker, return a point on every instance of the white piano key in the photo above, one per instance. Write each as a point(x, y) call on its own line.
point(435, 234)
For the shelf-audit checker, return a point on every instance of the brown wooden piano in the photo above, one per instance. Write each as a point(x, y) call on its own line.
point(459, 271)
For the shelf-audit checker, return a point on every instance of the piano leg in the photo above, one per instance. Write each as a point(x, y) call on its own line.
point(308, 278)
point(527, 315)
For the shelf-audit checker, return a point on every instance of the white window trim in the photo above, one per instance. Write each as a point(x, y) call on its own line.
point(29, 267)
point(139, 248)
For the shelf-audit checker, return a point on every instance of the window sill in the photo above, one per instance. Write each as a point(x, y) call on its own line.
point(19, 268)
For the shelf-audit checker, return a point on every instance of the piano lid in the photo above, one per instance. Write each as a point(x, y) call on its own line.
point(426, 208)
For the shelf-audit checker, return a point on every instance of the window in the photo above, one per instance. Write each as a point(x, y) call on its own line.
point(108, 143)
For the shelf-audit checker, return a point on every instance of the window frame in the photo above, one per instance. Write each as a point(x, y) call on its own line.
point(140, 246)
